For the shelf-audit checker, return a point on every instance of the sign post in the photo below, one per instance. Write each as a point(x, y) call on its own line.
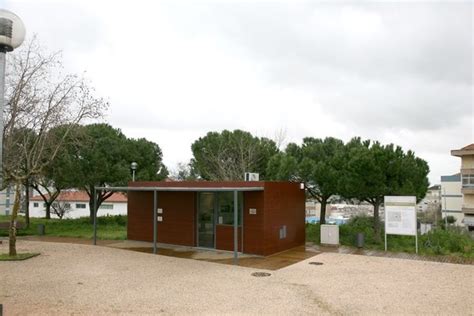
point(400, 217)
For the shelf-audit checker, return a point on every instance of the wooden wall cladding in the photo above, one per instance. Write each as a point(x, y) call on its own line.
point(225, 237)
point(253, 223)
point(284, 206)
point(179, 218)
point(140, 216)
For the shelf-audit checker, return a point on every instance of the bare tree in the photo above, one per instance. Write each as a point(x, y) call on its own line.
point(48, 190)
point(280, 137)
point(183, 171)
point(40, 98)
point(61, 208)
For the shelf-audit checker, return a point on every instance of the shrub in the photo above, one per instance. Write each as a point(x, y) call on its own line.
point(358, 224)
point(452, 241)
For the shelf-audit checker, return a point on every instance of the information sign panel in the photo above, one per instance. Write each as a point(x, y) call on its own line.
point(400, 217)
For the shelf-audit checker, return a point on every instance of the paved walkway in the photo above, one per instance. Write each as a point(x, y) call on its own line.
point(77, 279)
point(388, 254)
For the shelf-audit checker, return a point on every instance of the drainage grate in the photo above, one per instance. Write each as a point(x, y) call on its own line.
point(261, 274)
point(316, 263)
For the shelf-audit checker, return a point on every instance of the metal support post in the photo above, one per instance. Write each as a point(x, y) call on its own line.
point(236, 231)
point(385, 241)
point(2, 101)
point(416, 240)
point(94, 196)
point(155, 218)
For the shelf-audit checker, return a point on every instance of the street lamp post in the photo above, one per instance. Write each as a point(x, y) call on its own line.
point(133, 166)
point(12, 34)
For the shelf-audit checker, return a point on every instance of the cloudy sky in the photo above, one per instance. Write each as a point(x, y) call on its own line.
point(172, 70)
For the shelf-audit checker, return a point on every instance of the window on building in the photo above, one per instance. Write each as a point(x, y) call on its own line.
point(36, 204)
point(225, 210)
point(468, 180)
point(67, 205)
point(80, 205)
point(106, 207)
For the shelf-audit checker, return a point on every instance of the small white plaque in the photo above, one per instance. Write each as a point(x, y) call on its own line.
point(221, 220)
point(159, 218)
point(252, 211)
point(160, 211)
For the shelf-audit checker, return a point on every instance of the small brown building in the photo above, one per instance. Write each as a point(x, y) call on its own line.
point(271, 215)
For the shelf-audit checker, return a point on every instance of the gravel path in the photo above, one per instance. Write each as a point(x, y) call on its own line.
point(87, 280)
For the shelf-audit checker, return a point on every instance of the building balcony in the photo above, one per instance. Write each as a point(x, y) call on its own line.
point(467, 190)
point(468, 209)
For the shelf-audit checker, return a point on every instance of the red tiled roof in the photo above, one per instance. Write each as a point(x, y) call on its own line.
point(468, 147)
point(81, 196)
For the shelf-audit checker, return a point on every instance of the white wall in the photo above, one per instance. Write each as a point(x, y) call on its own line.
point(118, 209)
point(7, 198)
point(451, 201)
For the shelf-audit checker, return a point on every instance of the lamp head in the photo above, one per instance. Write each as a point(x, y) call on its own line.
point(12, 31)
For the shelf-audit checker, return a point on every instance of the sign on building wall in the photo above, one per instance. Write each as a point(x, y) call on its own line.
point(400, 217)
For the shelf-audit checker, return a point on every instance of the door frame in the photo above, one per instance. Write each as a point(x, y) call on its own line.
point(241, 207)
point(198, 204)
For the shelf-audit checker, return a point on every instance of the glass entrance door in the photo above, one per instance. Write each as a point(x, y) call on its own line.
point(205, 221)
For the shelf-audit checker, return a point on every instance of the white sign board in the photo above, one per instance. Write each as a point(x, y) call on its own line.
point(400, 215)
point(252, 211)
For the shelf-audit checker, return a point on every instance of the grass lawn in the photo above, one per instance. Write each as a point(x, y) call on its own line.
point(108, 227)
point(18, 257)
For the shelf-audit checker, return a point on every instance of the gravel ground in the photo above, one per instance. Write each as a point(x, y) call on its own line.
point(87, 280)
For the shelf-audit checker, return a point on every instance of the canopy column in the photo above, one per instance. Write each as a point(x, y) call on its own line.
point(236, 227)
point(155, 218)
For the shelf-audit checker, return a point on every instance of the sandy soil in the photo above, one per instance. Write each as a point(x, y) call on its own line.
point(86, 280)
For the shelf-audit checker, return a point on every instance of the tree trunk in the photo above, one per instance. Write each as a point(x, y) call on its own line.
point(48, 210)
point(91, 209)
point(377, 232)
point(12, 233)
point(322, 216)
point(27, 203)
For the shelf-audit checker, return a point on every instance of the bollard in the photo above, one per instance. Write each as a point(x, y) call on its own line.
point(41, 229)
point(360, 240)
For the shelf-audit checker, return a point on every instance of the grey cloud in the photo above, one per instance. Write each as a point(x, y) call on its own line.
point(64, 26)
point(406, 65)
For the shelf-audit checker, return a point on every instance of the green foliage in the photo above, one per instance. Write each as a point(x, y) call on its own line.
point(374, 170)
point(108, 227)
point(451, 219)
point(313, 232)
point(229, 154)
point(318, 163)
point(149, 157)
point(447, 242)
point(101, 158)
point(454, 241)
point(358, 224)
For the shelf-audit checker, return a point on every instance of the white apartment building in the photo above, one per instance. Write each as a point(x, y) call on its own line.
point(432, 200)
point(451, 198)
point(7, 198)
point(467, 187)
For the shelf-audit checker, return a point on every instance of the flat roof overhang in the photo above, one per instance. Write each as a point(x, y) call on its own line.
point(462, 152)
point(178, 189)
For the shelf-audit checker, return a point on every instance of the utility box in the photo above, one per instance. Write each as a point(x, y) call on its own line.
point(330, 235)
